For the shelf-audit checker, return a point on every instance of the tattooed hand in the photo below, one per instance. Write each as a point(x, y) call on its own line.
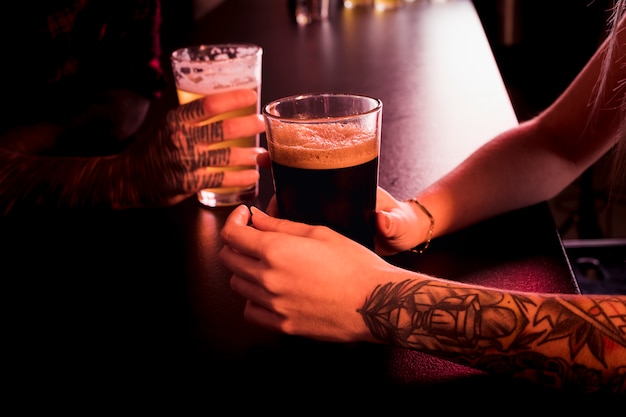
point(174, 164)
point(154, 171)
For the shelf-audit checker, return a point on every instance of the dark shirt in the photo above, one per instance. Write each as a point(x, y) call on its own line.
point(59, 54)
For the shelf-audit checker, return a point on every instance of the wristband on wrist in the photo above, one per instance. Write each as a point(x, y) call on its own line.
point(424, 245)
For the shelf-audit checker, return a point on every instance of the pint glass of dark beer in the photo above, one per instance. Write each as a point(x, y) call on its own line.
point(324, 149)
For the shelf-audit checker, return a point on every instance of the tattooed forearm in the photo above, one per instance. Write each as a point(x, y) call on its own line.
point(30, 181)
point(554, 340)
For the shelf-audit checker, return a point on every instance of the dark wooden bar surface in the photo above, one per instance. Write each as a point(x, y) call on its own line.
point(133, 306)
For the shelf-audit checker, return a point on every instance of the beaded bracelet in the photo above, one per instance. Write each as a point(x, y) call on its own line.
point(423, 246)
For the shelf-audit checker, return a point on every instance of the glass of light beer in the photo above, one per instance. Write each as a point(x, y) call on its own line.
point(324, 149)
point(205, 69)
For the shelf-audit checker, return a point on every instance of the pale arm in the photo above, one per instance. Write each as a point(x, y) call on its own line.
point(535, 160)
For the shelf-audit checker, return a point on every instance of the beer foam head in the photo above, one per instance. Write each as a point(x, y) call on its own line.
point(322, 145)
point(207, 68)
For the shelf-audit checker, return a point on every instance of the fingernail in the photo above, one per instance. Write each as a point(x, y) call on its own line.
point(256, 212)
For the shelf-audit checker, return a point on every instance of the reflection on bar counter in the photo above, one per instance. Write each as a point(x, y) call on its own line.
point(309, 11)
point(349, 4)
point(383, 5)
point(376, 4)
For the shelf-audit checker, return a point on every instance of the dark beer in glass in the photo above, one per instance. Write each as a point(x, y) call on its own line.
point(324, 150)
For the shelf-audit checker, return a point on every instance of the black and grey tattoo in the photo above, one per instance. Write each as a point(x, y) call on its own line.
point(506, 332)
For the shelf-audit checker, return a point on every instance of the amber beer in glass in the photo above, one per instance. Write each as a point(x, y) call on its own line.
point(205, 69)
point(324, 150)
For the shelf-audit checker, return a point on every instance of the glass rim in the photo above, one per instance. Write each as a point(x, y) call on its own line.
point(255, 51)
point(377, 106)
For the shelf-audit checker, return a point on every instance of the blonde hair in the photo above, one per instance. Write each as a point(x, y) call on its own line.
point(618, 163)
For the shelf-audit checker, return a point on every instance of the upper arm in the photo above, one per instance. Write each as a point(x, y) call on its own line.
point(584, 121)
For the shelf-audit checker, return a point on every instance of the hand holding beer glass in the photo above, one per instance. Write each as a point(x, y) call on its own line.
point(206, 69)
point(324, 150)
